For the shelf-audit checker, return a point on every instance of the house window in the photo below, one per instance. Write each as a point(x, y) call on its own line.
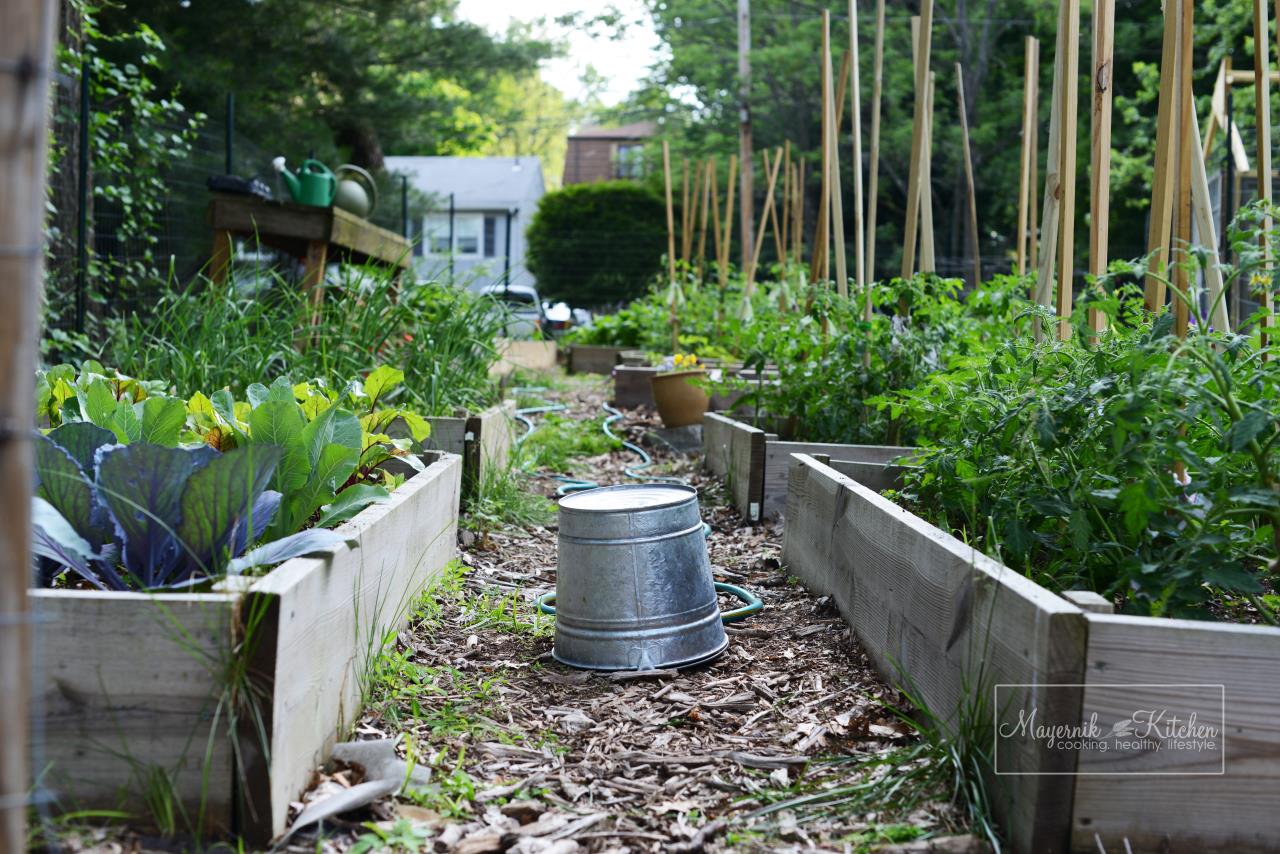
point(629, 160)
point(468, 229)
point(490, 236)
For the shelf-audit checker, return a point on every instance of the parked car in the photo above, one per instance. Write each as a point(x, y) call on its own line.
point(527, 319)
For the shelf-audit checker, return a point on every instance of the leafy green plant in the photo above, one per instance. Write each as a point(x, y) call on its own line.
point(146, 516)
point(1135, 464)
point(440, 337)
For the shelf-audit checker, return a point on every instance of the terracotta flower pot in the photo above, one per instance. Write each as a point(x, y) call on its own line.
point(679, 401)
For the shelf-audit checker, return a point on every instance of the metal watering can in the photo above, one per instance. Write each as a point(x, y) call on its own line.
point(634, 589)
point(357, 191)
point(315, 184)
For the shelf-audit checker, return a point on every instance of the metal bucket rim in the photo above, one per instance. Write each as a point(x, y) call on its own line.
point(689, 492)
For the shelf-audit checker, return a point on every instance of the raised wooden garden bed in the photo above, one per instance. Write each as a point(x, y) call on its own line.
point(138, 692)
point(754, 463)
point(594, 359)
point(529, 355)
point(483, 440)
point(954, 625)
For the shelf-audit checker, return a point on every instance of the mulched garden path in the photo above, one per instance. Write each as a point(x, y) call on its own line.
point(541, 757)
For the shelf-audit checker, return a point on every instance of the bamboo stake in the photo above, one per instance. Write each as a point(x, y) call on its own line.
point(786, 203)
point(873, 178)
point(1104, 16)
point(708, 177)
point(974, 246)
point(818, 269)
point(1186, 133)
point(1162, 184)
point(842, 87)
point(771, 176)
point(728, 218)
point(928, 260)
point(1202, 209)
point(716, 234)
point(798, 231)
point(671, 252)
point(772, 209)
point(685, 234)
point(26, 58)
point(833, 161)
point(1067, 165)
point(917, 141)
point(1026, 189)
point(860, 275)
point(1033, 227)
point(1262, 105)
point(1040, 294)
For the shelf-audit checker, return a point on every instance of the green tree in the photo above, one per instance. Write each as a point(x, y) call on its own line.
point(597, 244)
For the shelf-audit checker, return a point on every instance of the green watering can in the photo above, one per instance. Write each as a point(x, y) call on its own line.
point(314, 184)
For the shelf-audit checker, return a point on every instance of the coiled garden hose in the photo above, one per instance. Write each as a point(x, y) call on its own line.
point(751, 603)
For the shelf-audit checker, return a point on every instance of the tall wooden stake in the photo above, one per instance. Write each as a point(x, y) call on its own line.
point(717, 234)
point(785, 246)
point(1162, 182)
point(771, 176)
point(797, 232)
point(1104, 16)
point(708, 177)
point(873, 176)
point(818, 269)
point(671, 251)
point(833, 161)
point(728, 218)
point(1043, 287)
point(975, 247)
point(860, 274)
point(917, 140)
point(26, 42)
point(745, 155)
point(1262, 106)
point(1067, 164)
point(1186, 139)
point(1204, 220)
point(1030, 128)
point(1033, 227)
point(686, 214)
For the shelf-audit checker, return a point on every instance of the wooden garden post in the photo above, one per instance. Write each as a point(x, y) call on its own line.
point(1049, 220)
point(798, 230)
point(833, 163)
point(685, 234)
point(708, 181)
point(671, 252)
point(716, 233)
point(1067, 163)
point(728, 218)
point(1162, 182)
point(26, 54)
point(1202, 211)
point(1104, 15)
point(975, 247)
point(927, 259)
point(818, 268)
point(1186, 139)
point(1030, 127)
point(873, 175)
point(917, 140)
point(771, 176)
point(1262, 106)
point(860, 274)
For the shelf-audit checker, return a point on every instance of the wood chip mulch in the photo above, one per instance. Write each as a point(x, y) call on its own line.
point(565, 760)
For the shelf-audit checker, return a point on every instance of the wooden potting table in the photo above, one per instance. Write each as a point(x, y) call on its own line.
point(316, 235)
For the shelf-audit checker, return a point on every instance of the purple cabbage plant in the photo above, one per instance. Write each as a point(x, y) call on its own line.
point(145, 516)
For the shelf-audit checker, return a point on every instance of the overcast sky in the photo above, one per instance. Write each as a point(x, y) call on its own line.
point(621, 62)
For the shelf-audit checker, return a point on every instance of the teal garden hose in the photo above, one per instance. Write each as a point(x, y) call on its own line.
point(751, 603)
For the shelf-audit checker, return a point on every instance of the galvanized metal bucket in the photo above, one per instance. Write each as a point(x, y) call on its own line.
point(633, 584)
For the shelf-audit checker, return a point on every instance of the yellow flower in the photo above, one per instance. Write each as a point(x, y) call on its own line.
point(685, 360)
point(1260, 280)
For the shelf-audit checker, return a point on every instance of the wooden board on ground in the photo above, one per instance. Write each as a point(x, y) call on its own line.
point(1195, 801)
point(483, 440)
point(131, 685)
point(594, 359)
point(527, 355)
point(949, 624)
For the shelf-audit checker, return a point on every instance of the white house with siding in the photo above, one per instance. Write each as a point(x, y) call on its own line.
point(482, 206)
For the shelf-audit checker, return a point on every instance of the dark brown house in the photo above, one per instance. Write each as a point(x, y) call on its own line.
point(606, 154)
